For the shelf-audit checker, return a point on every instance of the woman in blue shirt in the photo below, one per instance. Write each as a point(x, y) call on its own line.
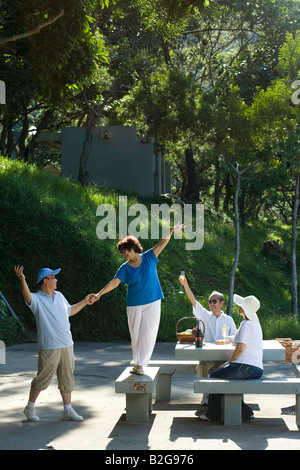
point(144, 295)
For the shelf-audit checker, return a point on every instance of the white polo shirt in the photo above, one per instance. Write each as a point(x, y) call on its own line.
point(52, 320)
point(214, 325)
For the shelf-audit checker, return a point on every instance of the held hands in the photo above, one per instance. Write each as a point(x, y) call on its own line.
point(91, 299)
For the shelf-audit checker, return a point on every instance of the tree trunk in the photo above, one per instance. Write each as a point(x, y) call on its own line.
point(237, 241)
point(166, 52)
point(23, 135)
point(40, 127)
point(93, 117)
point(294, 240)
point(10, 140)
point(192, 187)
point(3, 137)
point(83, 175)
point(217, 185)
point(227, 193)
point(242, 209)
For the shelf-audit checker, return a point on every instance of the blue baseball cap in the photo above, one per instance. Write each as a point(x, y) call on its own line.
point(45, 272)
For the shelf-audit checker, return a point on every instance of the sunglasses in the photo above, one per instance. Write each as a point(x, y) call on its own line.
point(214, 301)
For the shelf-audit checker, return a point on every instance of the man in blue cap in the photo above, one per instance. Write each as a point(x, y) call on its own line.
point(55, 344)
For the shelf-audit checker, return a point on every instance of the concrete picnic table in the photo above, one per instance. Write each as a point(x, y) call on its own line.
point(272, 351)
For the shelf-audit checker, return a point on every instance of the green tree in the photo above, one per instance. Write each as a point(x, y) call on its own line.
point(166, 106)
point(231, 43)
point(138, 35)
point(44, 69)
point(275, 126)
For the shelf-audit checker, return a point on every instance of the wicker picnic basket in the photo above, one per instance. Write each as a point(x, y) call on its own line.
point(190, 338)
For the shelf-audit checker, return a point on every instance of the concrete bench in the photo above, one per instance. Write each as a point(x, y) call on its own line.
point(233, 391)
point(166, 370)
point(296, 369)
point(138, 390)
point(2, 353)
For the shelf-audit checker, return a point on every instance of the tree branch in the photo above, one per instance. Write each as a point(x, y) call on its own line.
point(16, 37)
point(208, 30)
point(237, 170)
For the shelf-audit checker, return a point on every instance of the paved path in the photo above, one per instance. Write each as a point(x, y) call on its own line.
point(173, 425)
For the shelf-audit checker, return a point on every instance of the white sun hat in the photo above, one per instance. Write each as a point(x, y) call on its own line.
point(249, 304)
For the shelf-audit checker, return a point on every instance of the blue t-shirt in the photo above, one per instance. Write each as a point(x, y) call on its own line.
point(143, 283)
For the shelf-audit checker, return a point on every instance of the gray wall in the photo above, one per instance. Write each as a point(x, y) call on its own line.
point(122, 161)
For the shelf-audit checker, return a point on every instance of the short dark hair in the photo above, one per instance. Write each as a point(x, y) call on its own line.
point(128, 243)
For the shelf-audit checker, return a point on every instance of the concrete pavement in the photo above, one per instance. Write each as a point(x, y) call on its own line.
point(173, 425)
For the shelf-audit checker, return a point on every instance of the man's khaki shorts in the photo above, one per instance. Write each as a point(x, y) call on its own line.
point(59, 361)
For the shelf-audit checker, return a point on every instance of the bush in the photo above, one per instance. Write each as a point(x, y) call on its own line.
point(10, 331)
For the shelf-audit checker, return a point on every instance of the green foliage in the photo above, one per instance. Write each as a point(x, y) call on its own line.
point(289, 57)
point(72, 60)
point(165, 105)
point(50, 221)
point(270, 113)
point(281, 327)
point(167, 17)
point(10, 331)
point(223, 92)
point(53, 222)
point(50, 73)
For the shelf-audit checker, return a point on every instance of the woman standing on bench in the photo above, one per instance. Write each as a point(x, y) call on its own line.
point(144, 294)
point(245, 362)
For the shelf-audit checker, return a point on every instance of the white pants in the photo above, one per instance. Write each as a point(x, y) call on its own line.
point(143, 322)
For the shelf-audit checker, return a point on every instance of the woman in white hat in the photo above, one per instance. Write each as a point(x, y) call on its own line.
point(245, 362)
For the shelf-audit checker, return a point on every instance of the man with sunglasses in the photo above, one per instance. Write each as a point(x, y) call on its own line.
point(55, 345)
point(214, 320)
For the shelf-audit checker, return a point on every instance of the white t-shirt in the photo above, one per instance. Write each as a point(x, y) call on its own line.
point(214, 325)
point(52, 320)
point(250, 333)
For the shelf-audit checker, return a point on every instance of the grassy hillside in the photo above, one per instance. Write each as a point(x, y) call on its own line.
point(46, 220)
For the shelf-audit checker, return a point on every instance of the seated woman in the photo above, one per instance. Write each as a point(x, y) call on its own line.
point(245, 362)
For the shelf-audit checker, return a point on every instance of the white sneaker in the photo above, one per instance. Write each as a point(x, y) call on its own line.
point(30, 414)
point(204, 400)
point(204, 418)
point(71, 415)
